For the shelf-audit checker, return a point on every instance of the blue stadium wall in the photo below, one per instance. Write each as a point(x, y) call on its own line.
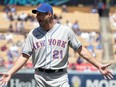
point(53, 2)
point(76, 79)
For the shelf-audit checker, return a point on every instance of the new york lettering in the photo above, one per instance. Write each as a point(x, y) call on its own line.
point(50, 42)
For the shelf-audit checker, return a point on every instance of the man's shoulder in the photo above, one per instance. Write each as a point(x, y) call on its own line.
point(35, 30)
point(64, 27)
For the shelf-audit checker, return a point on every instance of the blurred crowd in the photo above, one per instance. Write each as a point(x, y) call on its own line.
point(12, 49)
point(112, 19)
point(17, 21)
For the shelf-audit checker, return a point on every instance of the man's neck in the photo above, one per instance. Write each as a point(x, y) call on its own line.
point(49, 26)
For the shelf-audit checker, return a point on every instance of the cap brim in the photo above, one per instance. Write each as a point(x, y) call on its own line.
point(34, 11)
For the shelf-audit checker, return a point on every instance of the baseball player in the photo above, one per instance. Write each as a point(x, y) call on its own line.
point(48, 45)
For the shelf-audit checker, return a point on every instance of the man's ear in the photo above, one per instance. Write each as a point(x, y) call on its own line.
point(49, 13)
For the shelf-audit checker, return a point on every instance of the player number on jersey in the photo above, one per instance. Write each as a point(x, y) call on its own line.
point(57, 54)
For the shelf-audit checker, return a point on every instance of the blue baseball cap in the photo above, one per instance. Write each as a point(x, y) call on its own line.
point(43, 7)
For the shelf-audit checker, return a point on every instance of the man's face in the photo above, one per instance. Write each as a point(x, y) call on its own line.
point(42, 18)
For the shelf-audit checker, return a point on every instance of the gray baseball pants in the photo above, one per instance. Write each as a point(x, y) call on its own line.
point(56, 79)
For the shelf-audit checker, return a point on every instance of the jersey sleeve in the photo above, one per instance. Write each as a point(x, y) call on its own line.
point(28, 45)
point(73, 40)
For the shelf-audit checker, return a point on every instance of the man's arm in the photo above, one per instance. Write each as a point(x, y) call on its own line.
point(18, 64)
point(83, 52)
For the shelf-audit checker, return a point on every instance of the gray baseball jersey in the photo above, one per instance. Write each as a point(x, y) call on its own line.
point(49, 49)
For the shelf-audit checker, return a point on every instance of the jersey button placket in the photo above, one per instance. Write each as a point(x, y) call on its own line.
point(48, 49)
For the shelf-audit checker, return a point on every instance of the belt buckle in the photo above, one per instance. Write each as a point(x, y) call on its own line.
point(56, 70)
point(44, 70)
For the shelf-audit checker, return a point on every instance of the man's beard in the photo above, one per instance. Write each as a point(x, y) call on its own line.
point(43, 23)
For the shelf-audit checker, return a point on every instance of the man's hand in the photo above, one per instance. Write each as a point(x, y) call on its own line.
point(4, 79)
point(105, 71)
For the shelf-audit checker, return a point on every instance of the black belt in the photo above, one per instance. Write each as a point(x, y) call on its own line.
point(50, 70)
